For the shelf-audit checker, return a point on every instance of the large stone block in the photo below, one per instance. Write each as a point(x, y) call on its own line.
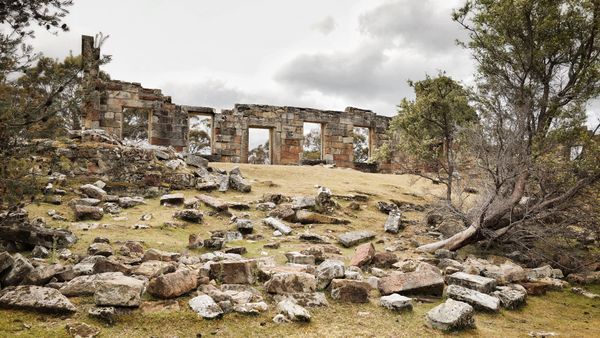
point(420, 282)
point(119, 291)
point(291, 282)
point(351, 291)
point(353, 238)
point(35, 298)
point(450, 316)
point(475, 282)
point(363, 255)
point(478, 300)
point(173, 285)
point(234, 272)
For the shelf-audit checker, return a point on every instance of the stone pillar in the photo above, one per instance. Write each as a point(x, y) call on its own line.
point(90, 57)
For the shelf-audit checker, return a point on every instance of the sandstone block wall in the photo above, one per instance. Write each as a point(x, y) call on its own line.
point(286, 125)
point(168, 122)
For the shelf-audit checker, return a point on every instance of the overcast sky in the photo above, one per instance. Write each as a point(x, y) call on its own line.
point(326, 54)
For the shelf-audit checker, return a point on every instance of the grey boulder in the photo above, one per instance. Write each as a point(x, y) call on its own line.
point(479, 300)
point(293, 311)
point(206, 307)
point(35, 298)
point(396, 302)
point(475, 282)
point(450, 316)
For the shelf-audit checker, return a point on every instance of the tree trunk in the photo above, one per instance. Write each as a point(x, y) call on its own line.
point(483, 221)
point(453, 243)
point(491, 222)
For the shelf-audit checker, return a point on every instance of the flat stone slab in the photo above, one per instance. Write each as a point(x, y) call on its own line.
point(92, 191)
point(393, 224)
point(450, 316)
point(310, 217)
point(172, 199)
point(35, 298)
point(299, 258)
point(86, 284)
point(424, 282)
point(475, 282)
point(213, 202)
point(277, 225)
point(352, 238)
point(396, 302)
point(306, 299)
point(479, 300)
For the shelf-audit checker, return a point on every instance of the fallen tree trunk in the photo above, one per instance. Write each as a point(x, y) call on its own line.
point(492, 221)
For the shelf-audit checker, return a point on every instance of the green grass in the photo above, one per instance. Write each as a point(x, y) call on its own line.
point(561, 312)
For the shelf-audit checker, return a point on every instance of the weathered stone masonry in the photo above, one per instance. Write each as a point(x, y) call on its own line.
point(168, 122)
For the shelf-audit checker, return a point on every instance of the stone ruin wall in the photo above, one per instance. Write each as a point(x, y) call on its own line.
point(286, 128)
point(168, 122)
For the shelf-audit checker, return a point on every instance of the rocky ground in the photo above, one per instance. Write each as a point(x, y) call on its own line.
point(172, 247)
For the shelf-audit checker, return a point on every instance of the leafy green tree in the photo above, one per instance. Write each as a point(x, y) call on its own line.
point(39, 97)
point(428, 128)
point(538, 66)
point(260, 154)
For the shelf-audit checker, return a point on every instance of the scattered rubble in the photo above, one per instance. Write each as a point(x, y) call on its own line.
point(120, 274)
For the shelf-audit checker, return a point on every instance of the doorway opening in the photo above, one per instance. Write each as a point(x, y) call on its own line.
point(312, 146)
point(200, 134)
point(259, 146)
point(361, 144)
point(135, 127)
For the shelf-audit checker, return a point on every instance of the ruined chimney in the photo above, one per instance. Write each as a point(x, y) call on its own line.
point(90, 56)
point(90, 59)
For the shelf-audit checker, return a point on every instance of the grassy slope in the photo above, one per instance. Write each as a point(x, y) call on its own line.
point(561, 312)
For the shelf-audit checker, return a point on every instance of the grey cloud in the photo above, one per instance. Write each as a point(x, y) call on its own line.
point(211, 93)
point(403, 40)
point(419, 24)
point(325, 26)
point(337, 73)
point(373, 73)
